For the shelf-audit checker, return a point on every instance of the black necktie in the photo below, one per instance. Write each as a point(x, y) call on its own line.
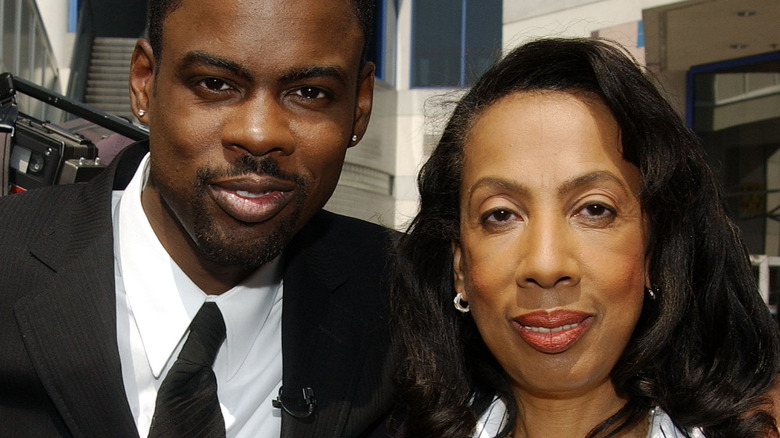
point(187, 404)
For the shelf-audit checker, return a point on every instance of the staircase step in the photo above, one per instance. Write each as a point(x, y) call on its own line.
point(108, 62)
point(109, 69)
point(119, 77)
point(98, 83)
point(105, 91)
point(107, 86)
point(112, 55)
point(112, 52)
point(101, 99)
point(114, 41)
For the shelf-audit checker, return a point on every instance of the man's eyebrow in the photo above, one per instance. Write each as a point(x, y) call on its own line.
point(312, 72)
point(196, 58)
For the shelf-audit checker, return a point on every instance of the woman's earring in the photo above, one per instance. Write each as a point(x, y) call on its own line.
point(458, 301)
point(652, 293)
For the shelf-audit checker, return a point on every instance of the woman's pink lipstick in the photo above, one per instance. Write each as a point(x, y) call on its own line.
point(552, 332)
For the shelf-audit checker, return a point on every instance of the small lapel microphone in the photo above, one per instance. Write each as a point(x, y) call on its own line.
point(294, 407)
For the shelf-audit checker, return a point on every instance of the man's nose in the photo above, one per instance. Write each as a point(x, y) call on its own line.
point(259, 125)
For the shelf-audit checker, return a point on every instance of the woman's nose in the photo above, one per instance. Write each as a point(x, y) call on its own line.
point(547, 256)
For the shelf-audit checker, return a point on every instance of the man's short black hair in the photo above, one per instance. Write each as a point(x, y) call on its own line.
point(159, 10)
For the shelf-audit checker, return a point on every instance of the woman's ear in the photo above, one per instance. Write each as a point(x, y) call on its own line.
point(648, 283)
point(458, 270)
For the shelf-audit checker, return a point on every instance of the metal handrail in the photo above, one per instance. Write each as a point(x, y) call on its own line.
point(94, 115)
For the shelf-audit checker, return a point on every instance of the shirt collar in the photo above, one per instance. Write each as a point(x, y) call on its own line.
point(246, 308)
point(163, 300)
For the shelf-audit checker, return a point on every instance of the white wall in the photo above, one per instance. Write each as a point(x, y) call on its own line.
point(54, 14)
point(579, 19)
point(613, 19)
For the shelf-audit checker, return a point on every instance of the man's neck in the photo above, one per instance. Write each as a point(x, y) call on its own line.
point(212, 278)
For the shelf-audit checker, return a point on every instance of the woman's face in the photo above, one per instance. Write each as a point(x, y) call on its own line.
point(552, 252)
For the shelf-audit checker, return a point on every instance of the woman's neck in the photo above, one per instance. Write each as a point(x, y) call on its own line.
point(570, 416)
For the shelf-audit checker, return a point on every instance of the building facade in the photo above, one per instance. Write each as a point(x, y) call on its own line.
point(717, 60)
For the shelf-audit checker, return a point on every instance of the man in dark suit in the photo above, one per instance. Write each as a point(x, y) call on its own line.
point(251, 105)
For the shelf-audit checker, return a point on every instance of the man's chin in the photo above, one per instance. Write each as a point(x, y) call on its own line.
point(244, 249)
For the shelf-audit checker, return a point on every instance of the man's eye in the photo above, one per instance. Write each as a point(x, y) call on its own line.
point(311, 93)
point(214, 84)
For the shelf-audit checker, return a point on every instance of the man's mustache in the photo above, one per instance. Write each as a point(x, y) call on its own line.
point(249, 164)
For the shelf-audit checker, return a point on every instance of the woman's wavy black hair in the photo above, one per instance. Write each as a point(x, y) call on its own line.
point(705, 350)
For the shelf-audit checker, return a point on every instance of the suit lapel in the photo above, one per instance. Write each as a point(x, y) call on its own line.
point(69, 323)
point(322, 347)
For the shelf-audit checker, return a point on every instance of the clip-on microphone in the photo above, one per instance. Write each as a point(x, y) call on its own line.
point(298, 411)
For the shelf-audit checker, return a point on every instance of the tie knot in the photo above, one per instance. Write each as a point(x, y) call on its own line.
point(207, 332)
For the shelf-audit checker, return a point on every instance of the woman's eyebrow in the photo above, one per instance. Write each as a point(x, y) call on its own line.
point(600, 176)
point(501, 183)
point(567, 186)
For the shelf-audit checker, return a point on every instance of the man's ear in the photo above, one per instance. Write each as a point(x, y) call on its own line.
point(364, 101)
point(458, 270)
point(142, 75)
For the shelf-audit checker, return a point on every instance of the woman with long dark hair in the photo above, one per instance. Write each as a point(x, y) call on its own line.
point(572, 270)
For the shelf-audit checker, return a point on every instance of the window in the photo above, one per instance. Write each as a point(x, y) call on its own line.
point(454, 41)
point(381, 46)
point(73, 15)
point(734, 107)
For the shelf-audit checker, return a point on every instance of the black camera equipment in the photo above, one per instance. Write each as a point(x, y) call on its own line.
point(36, 153)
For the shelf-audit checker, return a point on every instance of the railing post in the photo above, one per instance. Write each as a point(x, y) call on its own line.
point(762, 261)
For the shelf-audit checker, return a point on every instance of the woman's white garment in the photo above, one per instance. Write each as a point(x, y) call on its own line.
point(661, 425)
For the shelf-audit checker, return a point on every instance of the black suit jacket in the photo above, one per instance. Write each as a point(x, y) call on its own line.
point(60, 372)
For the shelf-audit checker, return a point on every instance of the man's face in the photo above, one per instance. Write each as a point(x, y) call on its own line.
point(251, 109)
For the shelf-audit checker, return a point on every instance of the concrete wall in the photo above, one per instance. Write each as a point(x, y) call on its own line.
point(54, 14)
point(524, 20)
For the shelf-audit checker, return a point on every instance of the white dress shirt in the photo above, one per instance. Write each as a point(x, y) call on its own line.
point(156, 302)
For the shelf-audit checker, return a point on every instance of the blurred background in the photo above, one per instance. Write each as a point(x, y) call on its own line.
point(718, 62)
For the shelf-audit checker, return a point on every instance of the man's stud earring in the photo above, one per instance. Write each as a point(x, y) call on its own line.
point(141, 113)
point(354, 138)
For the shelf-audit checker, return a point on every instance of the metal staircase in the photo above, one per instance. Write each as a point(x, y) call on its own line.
point(107, 79)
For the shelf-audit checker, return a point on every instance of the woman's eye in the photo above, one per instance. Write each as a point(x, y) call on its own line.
point(596, 210)
point(214, 84)
point(498, 216)
point(311, 93)
point(596, 213)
